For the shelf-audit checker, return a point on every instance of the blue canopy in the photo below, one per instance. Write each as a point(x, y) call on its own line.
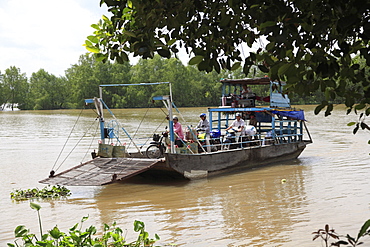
point(292, 114)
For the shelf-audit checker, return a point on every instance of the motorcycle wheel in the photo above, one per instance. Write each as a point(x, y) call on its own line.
point(153, 152)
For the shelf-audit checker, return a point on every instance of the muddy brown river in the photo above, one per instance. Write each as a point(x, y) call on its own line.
point(327, 184)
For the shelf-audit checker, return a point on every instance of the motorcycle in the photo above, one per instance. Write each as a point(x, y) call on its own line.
point(157, 148)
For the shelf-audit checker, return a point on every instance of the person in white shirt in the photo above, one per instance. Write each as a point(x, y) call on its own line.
point(237, 125)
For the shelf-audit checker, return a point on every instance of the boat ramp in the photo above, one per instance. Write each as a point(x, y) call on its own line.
point(102, 171)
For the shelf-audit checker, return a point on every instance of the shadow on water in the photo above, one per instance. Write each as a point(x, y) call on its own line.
point(246, 207)
point(149, 180)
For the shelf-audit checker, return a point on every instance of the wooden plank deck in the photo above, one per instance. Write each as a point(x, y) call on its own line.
point(101, 171)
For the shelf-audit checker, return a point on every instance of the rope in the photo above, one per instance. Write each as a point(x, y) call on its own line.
point(74, 147)
point(91, 143)
point(114, 117)
point(52, 169)
point(138, 128)
point(155, 131)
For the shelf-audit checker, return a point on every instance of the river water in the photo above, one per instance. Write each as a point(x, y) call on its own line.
point(327, 184)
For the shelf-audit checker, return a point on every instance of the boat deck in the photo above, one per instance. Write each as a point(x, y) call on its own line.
point(101, 171)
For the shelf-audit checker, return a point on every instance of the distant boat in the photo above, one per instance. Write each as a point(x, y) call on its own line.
point(9, 107)
point(270, 134)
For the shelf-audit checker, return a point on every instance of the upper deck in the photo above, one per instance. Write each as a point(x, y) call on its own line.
point(237, 93)
point(276, 115)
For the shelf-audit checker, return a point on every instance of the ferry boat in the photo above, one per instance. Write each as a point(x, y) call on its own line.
point(270, 134)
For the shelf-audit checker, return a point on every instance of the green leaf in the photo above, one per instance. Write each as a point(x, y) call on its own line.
point(263, 68)
point(351, 123)
point(283, 69)
point(216, 65)
point(35, 206)
point(73, 228)
point(329, 109)
point(319, 108)
point(268, 24)
point(225, 20)
point(84, 218)
point(75, 237)
point(203, 66)
point(164, 53)
point(270, 45)
point(235, 66)
point(91, 230)
point(100, 57)
point(360, 106)
point(93, 39)
point(363, 229)
point(92, 49)
point(138, 225)
point(170, 42)
point(95, 26)
point(124, 56)
point(106, 19)
point(88, 43)
point(356, 128)
point(364, 126)
point(129, 4)
point(20, 231)
point(128, 33)
point(195, 60)
point(55, 233)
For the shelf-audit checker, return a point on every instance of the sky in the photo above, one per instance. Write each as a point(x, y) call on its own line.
point(49, 34)
point(45, 34)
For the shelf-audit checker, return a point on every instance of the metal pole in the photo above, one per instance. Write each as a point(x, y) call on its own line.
point(172, 135)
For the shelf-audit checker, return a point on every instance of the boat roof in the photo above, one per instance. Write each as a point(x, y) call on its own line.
point(248, 109)
point(249, 81)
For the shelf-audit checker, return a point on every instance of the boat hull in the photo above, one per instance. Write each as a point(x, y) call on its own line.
point(194, 166)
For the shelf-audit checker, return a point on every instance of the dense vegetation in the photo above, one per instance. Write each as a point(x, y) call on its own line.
point(112, 235)
point(311, 45)
point(191, 87)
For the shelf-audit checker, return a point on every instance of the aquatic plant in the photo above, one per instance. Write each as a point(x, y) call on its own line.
point(54, 191)
point(76, 237)
point(326, 234)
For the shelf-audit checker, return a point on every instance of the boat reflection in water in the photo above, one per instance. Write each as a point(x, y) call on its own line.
point(252, 208)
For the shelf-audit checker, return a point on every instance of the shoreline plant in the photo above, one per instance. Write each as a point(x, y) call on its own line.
point(76, 237)
point(326, 234)
point(55, 191)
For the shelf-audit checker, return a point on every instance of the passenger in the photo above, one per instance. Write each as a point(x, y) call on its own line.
point(179, 134)
point(204, 125)
point(247, 93)
point(252, 120)
point(238, 125)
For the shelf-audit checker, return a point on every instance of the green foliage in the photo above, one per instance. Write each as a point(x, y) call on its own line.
point(76, 237)
point(47, 192)
point(326, 234)
point(312, 45)
point(14, 88)
point(47, 91)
